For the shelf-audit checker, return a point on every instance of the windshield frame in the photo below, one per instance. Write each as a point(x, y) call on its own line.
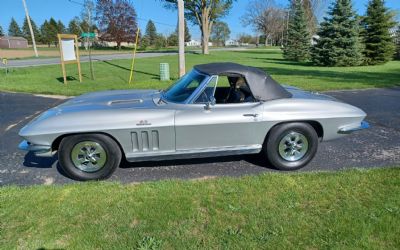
point(195, 92)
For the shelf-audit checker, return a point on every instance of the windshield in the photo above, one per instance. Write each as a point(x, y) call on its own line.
point(183, 89)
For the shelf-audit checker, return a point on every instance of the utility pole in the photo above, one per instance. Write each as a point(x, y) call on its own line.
point(30, 28)
point(181, 36)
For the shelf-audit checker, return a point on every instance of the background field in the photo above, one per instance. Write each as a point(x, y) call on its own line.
point(115, 74)
point(357, 209)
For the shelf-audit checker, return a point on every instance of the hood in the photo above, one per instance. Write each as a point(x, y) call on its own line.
point(115, 99)
point(302, 94)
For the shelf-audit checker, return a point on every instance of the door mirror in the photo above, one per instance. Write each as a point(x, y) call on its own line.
point(210, 103)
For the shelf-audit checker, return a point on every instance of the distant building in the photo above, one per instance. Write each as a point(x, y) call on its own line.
point(231, 42)
point(13, 42)
point(193, 43)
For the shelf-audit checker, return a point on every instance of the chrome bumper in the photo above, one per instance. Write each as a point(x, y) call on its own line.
point(351, 129)
point(38, 150)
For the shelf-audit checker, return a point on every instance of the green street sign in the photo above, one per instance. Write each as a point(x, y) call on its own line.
point(90, 35)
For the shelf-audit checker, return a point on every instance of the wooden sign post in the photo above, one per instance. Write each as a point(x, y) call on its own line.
point(69, 51)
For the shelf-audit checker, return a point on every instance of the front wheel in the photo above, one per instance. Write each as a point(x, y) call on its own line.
point(291, 146)
point(89, 156)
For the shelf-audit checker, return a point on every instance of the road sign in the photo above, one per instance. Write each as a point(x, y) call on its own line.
point(89, 35)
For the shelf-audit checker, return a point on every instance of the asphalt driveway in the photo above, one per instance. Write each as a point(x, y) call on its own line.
point(376, 147)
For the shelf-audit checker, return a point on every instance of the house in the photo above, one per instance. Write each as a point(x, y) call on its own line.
point(193, 43)
point(231, 42)
point(13, 42)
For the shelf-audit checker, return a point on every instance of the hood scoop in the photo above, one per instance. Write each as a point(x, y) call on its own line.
point(130, 101)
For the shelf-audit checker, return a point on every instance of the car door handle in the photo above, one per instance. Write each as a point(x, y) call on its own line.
point(252, 115)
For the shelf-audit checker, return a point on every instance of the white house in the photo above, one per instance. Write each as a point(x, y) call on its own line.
point(193, 43)
point(231, 42)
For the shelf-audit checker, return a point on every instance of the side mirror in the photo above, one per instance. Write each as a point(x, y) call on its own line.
point(210, 103)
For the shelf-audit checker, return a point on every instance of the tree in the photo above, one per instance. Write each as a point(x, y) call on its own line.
point(267, 18)
point(188, 36)
point(151, 33)
point(60, 27)
point(117, 21)
point(14, 29)
point(298, 40)
point(73, 27)
point(1, 31)
point(245, 38)
point(220, 33)
point(203, 13)
point(339, 42)
point(87, 15)
point(160, 42)
point(172, 39)
point(44, 33)
point(52, 30)
point(26, 33)
point(379, 46)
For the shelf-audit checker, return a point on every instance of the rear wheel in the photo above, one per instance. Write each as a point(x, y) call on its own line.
point(89, 156)
point(291, 146)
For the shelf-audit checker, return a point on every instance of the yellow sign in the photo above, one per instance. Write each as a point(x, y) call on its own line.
point(5, 61)
point(134, 55)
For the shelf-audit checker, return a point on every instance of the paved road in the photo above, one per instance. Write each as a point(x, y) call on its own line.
point(379, 146)
point(50, 61)
point(20, 63)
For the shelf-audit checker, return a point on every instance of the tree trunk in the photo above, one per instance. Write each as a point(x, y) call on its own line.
point(119, 45)
point(266, 40)
point(205, 39)
point(206, 26)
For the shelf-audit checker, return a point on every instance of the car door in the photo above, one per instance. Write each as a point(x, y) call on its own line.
point(220, 126)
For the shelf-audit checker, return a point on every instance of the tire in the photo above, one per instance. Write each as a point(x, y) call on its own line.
point(291, 146)
point(87, 157)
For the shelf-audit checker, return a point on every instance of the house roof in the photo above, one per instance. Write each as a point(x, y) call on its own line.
point(12, 38)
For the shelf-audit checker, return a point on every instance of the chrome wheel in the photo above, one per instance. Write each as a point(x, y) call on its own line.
point(88, 156)
point(293, 146)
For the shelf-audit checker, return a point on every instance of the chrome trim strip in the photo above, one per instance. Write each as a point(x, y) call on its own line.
point(194, 153)
point(348, 130)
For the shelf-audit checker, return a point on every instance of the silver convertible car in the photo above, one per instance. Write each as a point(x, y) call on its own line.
point(216, 109)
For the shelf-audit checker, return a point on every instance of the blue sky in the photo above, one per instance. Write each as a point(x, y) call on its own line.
point(146, 9)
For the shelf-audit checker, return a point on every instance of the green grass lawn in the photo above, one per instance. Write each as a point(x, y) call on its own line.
point(114, 74)
point(352, 209)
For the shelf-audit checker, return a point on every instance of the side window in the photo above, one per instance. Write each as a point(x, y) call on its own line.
point(208, 93)
point(233, 89)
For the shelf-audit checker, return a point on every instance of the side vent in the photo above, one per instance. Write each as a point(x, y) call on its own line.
point(156, 143)
point(143, 141)
point(135, 142)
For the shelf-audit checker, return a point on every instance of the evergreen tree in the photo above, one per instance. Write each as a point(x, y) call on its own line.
point(298, 41)
point(60, 27)
point(85, 26)
point(44, 31)
point(188, 36)
point(379, 46)
point(14, 29)
point(173, 39)
point(53, 31)
point(339, 40)
point(1, 31)
point(26, 33)
point(151, 33)
point(73, 27)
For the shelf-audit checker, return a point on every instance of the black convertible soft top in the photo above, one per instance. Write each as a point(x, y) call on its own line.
point(263, 87)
